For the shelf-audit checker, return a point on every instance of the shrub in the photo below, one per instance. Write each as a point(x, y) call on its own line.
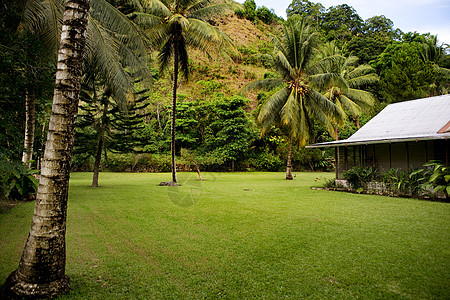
point(404, 182)
point(16, 180)
point(266, 161)
point(359, 177)
point(438, 177)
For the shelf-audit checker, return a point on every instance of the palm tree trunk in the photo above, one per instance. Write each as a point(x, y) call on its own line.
point(174, 112)
point(289, 160)
point(357, 122)
point(101, 138)
point(30, 123)
point(336, 132)
point(41, 272)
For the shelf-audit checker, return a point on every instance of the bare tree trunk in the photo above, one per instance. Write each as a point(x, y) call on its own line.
point(174, 112)
point(289, 160)
point(101, 138)
point(357, 122)
point(41, 272)
point(30, 123)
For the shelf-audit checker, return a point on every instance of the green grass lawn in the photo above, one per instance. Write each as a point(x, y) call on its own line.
point(242, 235)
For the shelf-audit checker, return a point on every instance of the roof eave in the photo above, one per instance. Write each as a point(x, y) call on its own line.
point(378, 141)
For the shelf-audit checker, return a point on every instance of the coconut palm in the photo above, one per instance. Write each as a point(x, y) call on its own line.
point(435, 53)
point(41, 273)
point(176, 25)
point(345, 91)
point(113, 43)
point(297, 100)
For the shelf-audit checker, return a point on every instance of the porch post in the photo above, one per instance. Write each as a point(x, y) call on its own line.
point(407, 156)
point(373, 156)
point(346, 158)
point(390, 155)
point(336, 157)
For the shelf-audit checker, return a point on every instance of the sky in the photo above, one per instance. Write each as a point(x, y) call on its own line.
point(423, 16)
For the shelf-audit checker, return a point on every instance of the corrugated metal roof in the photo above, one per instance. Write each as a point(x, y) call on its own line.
point(410, 120)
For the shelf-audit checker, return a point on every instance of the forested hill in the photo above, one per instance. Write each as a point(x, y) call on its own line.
point(410, 65)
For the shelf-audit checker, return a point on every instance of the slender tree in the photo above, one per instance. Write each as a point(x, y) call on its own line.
point(297, 100)
point(176, 25)
point(41, 272)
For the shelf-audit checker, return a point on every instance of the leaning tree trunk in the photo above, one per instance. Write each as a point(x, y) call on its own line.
point(289, 160)
point(101, 138)
point(174, 112)
point(41, 272)
point(30, 123)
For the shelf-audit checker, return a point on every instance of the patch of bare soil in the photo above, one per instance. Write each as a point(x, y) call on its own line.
point(241, 31)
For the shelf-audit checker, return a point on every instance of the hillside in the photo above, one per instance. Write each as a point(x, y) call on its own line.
point(231, 75)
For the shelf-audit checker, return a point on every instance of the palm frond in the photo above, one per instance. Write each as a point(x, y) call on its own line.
point(289, 111)
point(209, 39)
point(124, 29)
point(363, 80)
point(324, 111)
point(351, 106)
point(283, 65)
point(32, 16)
point(52, 32)
point(323, 81)
point(180, 47)
point(103, 56)
point(361, 98)
point(145, 20)
point(165, 54)
point(156, 7)
point(360, 71)
point(264, 84)
point(269, 112)
point(211, 11)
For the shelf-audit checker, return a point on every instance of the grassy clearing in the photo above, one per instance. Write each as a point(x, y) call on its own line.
point(247, 235)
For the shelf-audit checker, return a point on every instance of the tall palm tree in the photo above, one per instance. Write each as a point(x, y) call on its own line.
point(41, 272)
point(114, 43)
point(176, 25)
point(346, 90)
point(297, 100)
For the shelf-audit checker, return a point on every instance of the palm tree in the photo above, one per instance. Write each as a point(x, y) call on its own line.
point(297, 100)
point(176, 25)
point(114, 43)
point(435, 53)
point(345, 90)
point(41, 272)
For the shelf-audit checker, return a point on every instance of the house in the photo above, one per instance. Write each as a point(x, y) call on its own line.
point(403, 135)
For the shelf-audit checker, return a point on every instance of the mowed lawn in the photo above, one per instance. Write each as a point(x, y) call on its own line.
point(242, 236)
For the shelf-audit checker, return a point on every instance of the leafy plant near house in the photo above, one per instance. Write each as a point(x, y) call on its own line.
point(402, 182)
point(438, 177)
point(359, 177)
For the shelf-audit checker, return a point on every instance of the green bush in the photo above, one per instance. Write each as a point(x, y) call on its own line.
point(266, 161)
point(359, 177)
point(402, 182)
point(438, 177)
point(16, 180)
